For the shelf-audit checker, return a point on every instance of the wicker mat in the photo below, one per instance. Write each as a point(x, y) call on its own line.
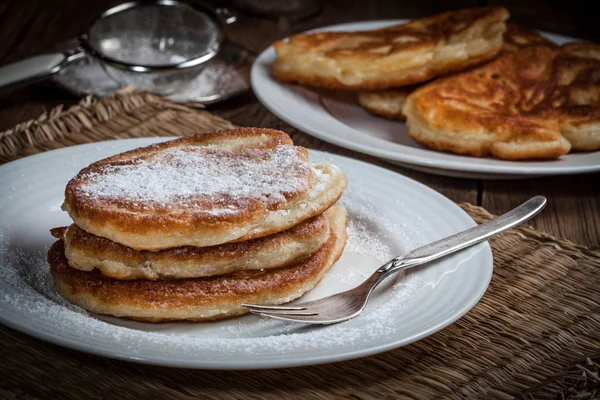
point(533, 334)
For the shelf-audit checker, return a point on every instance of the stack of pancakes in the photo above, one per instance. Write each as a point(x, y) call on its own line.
point(192, 228)
point(465, 81)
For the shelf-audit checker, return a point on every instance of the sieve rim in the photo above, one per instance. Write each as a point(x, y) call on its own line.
point(124, 65)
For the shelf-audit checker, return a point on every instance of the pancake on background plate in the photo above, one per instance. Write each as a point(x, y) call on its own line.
point(535, 103)
point(399, 55)
point(389, 103)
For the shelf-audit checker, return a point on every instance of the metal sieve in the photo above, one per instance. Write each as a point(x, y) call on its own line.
point(157, 45)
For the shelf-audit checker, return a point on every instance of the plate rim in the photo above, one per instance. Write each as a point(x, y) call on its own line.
point(458, 163)
point(483, 254)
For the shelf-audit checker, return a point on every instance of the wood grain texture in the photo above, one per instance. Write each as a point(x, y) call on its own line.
point(573, 210)
point(34, 26)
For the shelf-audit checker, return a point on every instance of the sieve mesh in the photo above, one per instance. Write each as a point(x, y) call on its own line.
point(162, 33)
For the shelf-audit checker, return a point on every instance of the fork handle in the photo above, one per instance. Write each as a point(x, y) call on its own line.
point(465, 239)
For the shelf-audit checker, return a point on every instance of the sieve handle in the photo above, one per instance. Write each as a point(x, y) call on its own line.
point(35, 68)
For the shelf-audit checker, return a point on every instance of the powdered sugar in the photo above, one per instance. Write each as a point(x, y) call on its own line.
point(218, 79)
point(373, 232)
point(189, 174)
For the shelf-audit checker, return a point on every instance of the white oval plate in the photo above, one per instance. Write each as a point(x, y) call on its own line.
point(388, 214)
point(337, 118)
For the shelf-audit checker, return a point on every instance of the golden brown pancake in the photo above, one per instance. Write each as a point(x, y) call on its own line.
point(395, 56)
point(196, 299)
point(575, 98)
point(85, 252)
point(386, 103)
point(389, 103)
point(517, 37)
point(202, 190)
point(534, 103)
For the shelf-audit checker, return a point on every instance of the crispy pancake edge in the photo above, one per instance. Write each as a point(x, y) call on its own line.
point(85, 252)
point(387, 103)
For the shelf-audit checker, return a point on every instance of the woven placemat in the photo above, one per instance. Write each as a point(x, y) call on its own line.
point(125, 114)
point(533, 334)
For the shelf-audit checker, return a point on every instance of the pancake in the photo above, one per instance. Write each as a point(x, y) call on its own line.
point(389, 103)
point(517, 37)
point(85, 252)
point(395, 56)
point(386, 103)
point(534, 103)
point(196, 299)
point(202, 190)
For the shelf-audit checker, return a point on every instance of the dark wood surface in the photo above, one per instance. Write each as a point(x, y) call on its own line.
point(34, 26)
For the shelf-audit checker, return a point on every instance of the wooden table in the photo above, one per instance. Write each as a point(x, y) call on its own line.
point(34, 26)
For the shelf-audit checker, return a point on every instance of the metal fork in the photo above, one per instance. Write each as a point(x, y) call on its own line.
point(346, 305)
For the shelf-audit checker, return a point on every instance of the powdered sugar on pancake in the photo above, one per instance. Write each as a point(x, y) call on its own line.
point(191, 175)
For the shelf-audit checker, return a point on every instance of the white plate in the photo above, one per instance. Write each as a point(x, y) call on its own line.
point(388, 214)
point(338, 119)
